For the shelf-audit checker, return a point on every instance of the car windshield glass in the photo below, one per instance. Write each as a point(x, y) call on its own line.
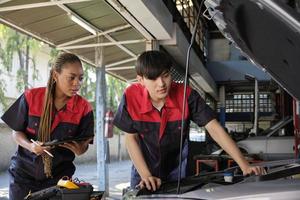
point(277, 126)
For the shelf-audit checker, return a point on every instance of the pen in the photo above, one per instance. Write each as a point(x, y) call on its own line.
point(47, 152)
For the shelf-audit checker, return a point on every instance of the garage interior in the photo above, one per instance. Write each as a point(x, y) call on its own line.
point(248, 101)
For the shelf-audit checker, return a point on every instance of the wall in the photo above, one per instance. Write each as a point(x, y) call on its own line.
point(7, 147)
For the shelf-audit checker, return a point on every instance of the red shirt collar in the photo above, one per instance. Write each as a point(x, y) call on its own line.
point(147, 106)
point(71, 104)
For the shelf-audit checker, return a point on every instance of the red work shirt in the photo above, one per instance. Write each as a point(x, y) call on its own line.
point(74, 120)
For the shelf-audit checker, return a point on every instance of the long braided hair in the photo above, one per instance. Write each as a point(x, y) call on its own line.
point(48, 109)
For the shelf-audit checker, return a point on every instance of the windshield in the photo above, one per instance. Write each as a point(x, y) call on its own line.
point(277, 126)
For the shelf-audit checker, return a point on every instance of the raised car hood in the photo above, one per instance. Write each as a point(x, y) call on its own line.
point(267, 32)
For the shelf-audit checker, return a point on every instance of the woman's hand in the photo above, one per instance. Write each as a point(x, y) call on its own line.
point(77, 148)
point(37, 148)
point(257, 170)
point(151, 183)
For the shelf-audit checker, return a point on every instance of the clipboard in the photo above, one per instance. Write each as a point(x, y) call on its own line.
point(56, 142)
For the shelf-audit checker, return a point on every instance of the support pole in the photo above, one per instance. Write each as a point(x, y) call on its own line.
point(256, 107)
point(222, 105)
point(100, 115)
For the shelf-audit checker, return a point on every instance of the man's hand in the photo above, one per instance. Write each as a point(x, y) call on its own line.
point(257, 170)
point(151, 183)
point(77, 148)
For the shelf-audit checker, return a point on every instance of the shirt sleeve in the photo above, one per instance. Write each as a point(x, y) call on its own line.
point(16, 117)
point(200, 112)
point(122, 118)
point(86, 125)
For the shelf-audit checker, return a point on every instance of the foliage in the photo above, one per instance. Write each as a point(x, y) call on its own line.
point(3, 100)
point(25, 47)
point(115, 89)
point(53, 54)
point(6, 63)
point(21, 73)
point(35, 71)
point(88, 87)
point(7, 46)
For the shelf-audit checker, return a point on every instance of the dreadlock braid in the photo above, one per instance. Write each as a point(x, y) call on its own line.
point(46, 121)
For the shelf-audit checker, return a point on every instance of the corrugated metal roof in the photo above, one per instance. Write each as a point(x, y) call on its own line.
point(52, 24)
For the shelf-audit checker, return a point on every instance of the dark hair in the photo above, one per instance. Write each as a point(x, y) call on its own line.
point(46, 117)
point(151, 64)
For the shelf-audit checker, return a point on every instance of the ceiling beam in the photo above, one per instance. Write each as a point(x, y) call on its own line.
point(76, 41)
point(120, 62)
point(104, 44)
point(116, 76)
point(38, 5)
point(120, 68)
point(132, 80)
point(93, 36)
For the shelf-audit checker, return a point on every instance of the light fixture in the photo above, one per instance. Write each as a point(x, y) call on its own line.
point(83, 24)
point(250, 77)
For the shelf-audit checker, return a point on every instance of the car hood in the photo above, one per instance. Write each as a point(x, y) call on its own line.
point(267, 32)
point(277, 189)
point(276, 184)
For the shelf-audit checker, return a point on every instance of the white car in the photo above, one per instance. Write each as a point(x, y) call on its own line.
point(275, 145)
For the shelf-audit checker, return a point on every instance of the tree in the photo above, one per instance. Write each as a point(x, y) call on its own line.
point(88, 87)
point(6, 61)
point(25, 47)
point(53, 54)
point(115, 89)
point(3, 100)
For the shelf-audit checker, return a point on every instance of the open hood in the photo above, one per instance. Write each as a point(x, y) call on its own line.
point(267, 32)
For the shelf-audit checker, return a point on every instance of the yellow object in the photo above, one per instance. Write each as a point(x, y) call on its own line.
point(67, 184)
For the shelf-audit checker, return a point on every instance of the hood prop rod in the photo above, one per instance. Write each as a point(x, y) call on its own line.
point(184, 94)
